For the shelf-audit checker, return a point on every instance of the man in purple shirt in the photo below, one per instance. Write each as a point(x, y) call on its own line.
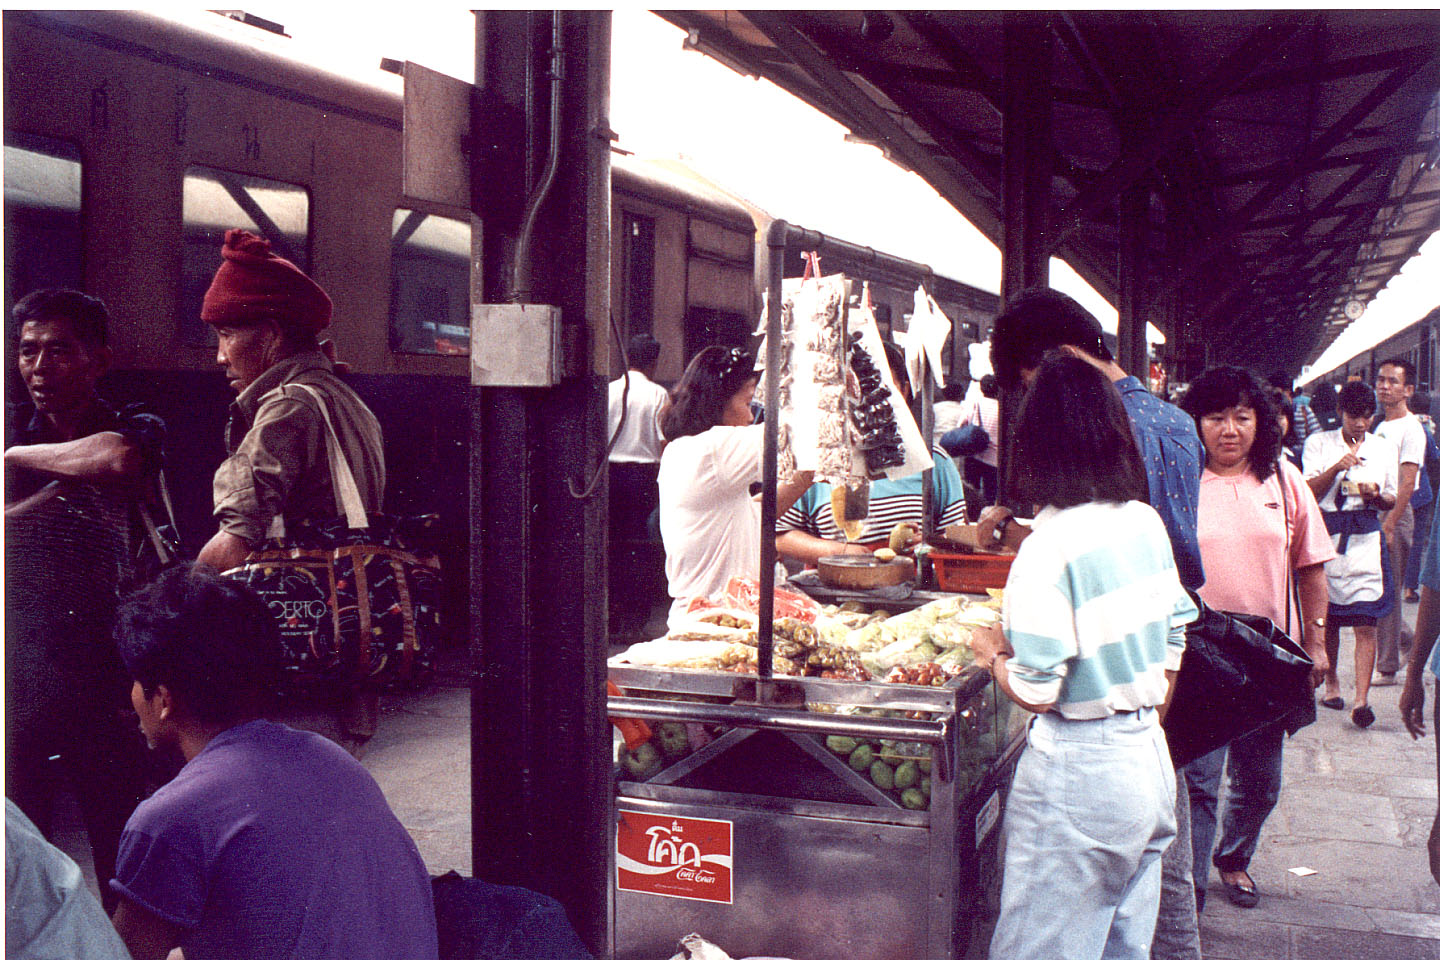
point(270, 842)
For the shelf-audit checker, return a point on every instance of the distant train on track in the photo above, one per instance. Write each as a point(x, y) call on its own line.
point(1419, 343)
point(133, 142)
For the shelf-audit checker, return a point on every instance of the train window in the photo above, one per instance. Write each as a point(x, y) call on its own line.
point(220, 200)
point(639, 273)
point(42, 216)
point(429, 284)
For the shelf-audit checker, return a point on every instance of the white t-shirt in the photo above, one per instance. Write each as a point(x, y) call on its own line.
point(947, 418)
point(1378, 464)
point(1408, 434)
point(1355, 575)
point(709, 523)
point(640, 441)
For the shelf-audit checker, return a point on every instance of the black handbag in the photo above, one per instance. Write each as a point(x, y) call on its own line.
point(1240, 672)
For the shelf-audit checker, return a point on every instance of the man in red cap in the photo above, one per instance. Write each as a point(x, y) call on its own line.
point(267, 314)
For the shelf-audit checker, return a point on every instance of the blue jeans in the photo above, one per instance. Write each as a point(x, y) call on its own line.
point(1423, 517)
point(1089, 815)
point(1254, 761)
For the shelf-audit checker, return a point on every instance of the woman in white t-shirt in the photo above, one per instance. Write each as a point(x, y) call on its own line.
point(709, 520)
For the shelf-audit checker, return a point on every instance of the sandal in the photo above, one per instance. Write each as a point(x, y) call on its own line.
point(1334, 703)
point(1242, 894)
point(1362, 716)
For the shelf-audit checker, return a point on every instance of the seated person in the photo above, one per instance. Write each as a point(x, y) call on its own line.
point(809, 530)
point(270, 842)
point(49, 912)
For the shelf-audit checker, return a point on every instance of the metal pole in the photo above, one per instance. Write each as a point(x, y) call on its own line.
point(776, 241)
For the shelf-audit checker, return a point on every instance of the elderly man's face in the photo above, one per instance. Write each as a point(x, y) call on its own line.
point(59, 369)
point(247, 351)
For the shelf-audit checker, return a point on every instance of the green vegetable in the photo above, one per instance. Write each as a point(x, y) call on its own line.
point(674, 740)
point(924, 764)
point(842, 745)
point(925, 786)
point(907, 775)
point(882, 775)
point(913, 799)
point(642, 761)
point(861, 758)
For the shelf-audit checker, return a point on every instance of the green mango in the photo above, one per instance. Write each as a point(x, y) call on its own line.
point(842, 745)
point(913, 799)
point(882, 775)
point(907, 775)
point(861, 758)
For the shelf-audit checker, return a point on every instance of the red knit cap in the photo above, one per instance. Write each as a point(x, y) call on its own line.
point(253, 284)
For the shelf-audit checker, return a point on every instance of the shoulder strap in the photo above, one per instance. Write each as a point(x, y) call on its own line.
point(347, 491)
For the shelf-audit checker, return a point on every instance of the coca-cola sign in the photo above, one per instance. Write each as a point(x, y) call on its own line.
point(684, 857)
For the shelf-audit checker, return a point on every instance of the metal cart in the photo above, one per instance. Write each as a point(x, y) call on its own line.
point(793, 853)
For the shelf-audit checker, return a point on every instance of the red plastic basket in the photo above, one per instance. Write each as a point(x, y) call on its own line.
point(970, 572)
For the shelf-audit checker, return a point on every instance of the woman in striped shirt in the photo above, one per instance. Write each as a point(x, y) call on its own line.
point(1092, 632)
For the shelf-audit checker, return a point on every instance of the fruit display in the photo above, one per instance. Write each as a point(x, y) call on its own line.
point(899, 768)
point(669, 743)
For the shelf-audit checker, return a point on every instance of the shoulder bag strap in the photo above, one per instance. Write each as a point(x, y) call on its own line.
point(347, 491)
point(1292, 586)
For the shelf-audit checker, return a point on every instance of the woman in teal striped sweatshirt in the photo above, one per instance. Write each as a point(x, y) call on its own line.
point(1092, 632)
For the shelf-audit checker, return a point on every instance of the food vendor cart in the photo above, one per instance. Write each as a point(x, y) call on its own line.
point(767, 841)
point(806, 817)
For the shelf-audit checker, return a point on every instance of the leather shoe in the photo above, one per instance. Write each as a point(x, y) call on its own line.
point(1384, 680)
point(1243, 893)
point(1362, 716)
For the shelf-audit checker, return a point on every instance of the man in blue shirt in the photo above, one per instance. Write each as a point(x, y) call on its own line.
point(1043, 320)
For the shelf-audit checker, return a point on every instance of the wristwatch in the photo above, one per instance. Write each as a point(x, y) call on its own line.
point(999, 534)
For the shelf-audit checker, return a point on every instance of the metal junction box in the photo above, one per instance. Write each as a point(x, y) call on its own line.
point(514, 345)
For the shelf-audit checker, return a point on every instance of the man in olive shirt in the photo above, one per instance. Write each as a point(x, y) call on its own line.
point(267, 314)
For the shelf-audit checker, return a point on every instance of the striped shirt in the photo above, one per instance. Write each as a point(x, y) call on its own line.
point(1095, 611)
point(891, 502)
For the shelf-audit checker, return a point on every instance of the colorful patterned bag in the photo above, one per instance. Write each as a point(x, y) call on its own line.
point(357, 598)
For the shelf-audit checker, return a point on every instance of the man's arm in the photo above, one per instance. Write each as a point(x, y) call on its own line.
point(224, 551)
point(1427, 627)
point(1320, 483)
point(106, 457)
point(1408, 473)
point(146, 936)
point(799, 545)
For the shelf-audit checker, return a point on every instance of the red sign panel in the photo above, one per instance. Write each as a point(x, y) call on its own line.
point(683, 857)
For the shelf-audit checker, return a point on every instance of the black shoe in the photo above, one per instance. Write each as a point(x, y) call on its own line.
point(1242, 894)
point(1362, 717)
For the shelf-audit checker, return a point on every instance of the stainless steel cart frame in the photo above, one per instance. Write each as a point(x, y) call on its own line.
point(816, 875)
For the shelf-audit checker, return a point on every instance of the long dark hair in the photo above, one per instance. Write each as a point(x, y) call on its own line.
point(1221, 388)
point(1073, 443)
point(697, 403)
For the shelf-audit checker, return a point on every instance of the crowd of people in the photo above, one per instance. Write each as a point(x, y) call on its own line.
point(1243, 497)
point(248, 848)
